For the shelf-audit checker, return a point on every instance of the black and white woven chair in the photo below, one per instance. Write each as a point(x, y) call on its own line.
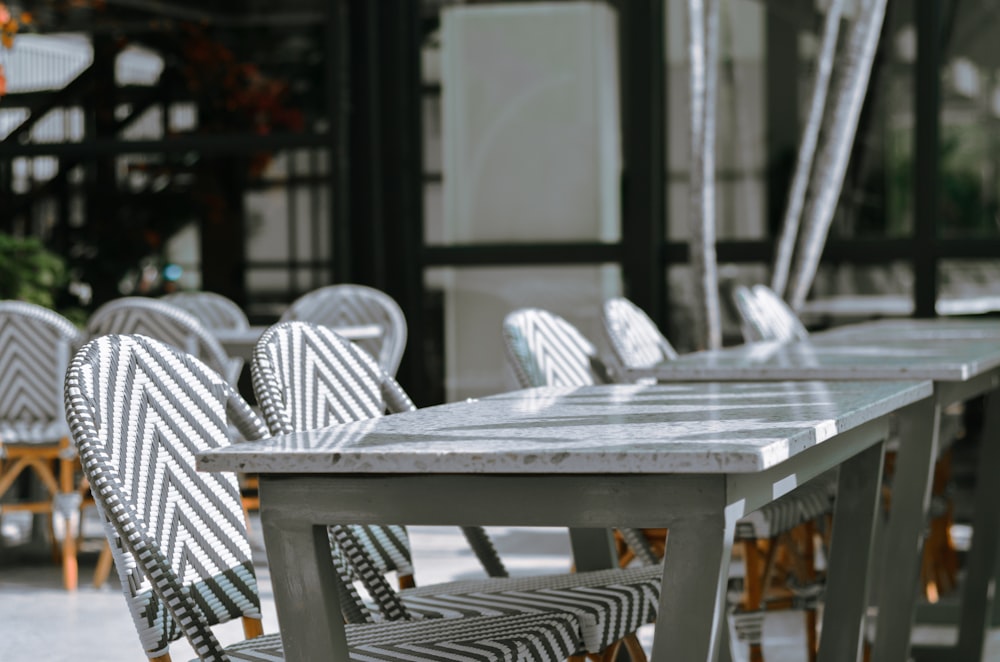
point(764, 316)
point(35, 347)
point(546, 350)
point(213, 310)
point(543, 349)
point(349, 304)
point(306, 376)
point(167, 323)
point(634, 339)
point(175, 326)
point(139, 411)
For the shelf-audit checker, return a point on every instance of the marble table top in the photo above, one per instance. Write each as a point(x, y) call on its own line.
point(619, 428)
point(894, 357)
point(868, 305)
point(913, 329)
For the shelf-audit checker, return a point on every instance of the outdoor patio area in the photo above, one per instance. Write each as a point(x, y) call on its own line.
point(44, 623)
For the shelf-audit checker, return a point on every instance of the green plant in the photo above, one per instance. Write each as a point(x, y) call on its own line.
point(30, 272)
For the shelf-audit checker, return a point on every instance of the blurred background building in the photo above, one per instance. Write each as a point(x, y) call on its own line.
point(470, 158)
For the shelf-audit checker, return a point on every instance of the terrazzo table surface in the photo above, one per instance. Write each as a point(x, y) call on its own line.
point(691, 457)
point(622, 428)
point(962, 357)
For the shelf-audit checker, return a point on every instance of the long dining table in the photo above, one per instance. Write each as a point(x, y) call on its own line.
point(690, 457)
point(962, 358)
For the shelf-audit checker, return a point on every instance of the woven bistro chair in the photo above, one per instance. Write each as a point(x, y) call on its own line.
point(543, 349)
point(35, 347)
point(139, 411)
point(348, 305)
point(764, 316)
point(634, 339)
point(306, 376)
point(213, 310)
point(175, 326)
point(769, 318)
point(168, 323)
point(546, 350)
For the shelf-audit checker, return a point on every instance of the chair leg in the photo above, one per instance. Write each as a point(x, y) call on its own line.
point(252, 627)
point(104, 562)
point(69, 514)
point(753, 589)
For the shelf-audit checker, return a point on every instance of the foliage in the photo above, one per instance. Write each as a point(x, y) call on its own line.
point(29, 272)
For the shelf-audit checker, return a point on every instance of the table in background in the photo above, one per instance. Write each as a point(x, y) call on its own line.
point(962, 357)
point(240, 342)
point(691, 457)
point(862, 306)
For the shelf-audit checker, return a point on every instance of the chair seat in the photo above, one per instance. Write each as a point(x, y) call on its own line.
point(803, 504)
point(33, 432)
point(522, 638)
point(609, 604)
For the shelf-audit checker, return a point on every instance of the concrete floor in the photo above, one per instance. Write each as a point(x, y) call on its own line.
point(40, 622)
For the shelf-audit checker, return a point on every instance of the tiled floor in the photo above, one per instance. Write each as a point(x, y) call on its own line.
point(39, 622)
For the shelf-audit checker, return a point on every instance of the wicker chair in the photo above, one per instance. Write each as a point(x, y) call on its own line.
point(764, 316)
point(35, 347)
point(545, 350)
point(306, 376)
point(347, 305)
point(634, 339)
point(139, 411)
point(167, 323)
point(175, 326)
point(214, 311)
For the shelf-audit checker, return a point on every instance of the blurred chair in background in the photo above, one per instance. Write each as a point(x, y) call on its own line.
point(35, 347)
point(351, 305)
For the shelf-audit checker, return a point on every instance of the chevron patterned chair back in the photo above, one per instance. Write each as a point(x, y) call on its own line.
point(167, 323)
point(764, 316)
point(214, 311)
point(35, 347)
point(545, 350)
point(139, 411)
point(785, 324)
point(349, 305)
point(634, 338)
point(305, 376)
point(299, 368)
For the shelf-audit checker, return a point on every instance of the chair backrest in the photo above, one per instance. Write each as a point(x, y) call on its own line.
point(35, 348)
point(634, 338)
point(546, 350)
point(765, 317)
point(305, 376)
point(139, 410)
point(214, 311)
point(785, 324)
point(167, 323)
point(347, 305)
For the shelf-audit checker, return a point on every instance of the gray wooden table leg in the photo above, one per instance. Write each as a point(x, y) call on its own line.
point(898, 564)
point(311, 622)
point(593, 549)
point(692, 619)
point(850, 556)
point(977, 592)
